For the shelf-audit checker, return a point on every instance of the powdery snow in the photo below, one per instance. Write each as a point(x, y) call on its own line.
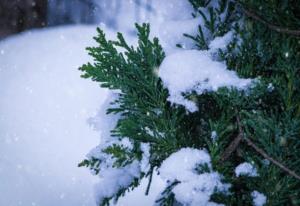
point(118, 178)
point(195, 187)
point(113, 179)
point(214, 136)
point(43, 112)
point(246, 169)
point(259, 199)
point(192, 70)
point(145, 165)
point(221, 42)
point(171, 34)
point(45, 104)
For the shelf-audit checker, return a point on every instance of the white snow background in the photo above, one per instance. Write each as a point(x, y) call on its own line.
point(43, 110)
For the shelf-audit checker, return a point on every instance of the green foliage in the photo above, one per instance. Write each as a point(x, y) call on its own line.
point(167, 196)
point(218, 20)
point(268, 113)
point(147, 117)
point(93, 164)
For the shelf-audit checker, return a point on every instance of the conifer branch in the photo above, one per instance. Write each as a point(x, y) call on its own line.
point(149, 182)
point(273, 27)
point(231, 148)
point(275, 162)
point(235, 143)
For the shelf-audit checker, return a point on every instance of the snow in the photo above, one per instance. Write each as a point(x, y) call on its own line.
point(103, 122)
point(163, 17)
point(194, 187)
point(113, 179)
point(118, 178)
point(43, 111)
point(246, 169)
point(192, 70)
point(221, 42)
point(122, 15)
point(50, 117)
point(214, 136)
point(170, 34)
point(270, 87)
point(259, 199)
point(145, 165)
point(46, 127)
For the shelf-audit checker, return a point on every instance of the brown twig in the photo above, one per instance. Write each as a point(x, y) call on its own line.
point(231, 148)
point(275, 162)
point(234, 144)
point(269, 25)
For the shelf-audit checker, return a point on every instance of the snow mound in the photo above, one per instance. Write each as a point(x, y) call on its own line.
point(194, 71)
point(196, 180)
point(43, 112)
point(246, 169)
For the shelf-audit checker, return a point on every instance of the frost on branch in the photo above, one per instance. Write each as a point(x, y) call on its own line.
point(190, 177)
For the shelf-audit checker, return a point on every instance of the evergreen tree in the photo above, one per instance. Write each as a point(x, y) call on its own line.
point(258, 127)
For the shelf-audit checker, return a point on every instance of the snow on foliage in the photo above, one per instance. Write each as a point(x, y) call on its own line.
point(145, 166)
point(214, 136)
point(183, 71)
point(259, 199)
point(188, 70)
point(194, 71)
point(102, 122)
point(115, 177)
point(112, 179)
point(196, 180)
point(104, 163)
point(221, 42)
point(169, 27)
point(171, 34)
point(246, 169)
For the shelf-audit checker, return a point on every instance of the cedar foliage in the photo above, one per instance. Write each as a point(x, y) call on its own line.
point(258, 125)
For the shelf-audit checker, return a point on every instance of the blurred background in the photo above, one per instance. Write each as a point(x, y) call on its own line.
point(20, 15)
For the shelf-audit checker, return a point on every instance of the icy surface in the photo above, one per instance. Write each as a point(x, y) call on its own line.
point(259, 199)
point(246, 169)
point(192, 70)
point(195, 186)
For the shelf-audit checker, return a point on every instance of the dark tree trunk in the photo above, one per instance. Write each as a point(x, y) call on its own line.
point(18, 15)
